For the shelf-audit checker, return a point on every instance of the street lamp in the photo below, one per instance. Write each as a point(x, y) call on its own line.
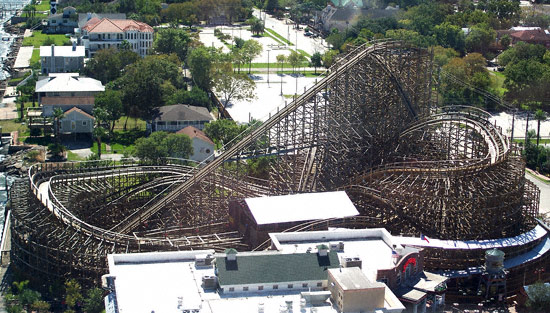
point(281, 81)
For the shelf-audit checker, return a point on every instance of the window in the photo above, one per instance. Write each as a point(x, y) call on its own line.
point(84, 123)
point(275, 287)
point(173, 123)
point(231, 289)
point(245, 288)
point(398, 280)
point(290, 286)
point(260, 287)
point(319, 284)
point(304, 285)
point(64, 21)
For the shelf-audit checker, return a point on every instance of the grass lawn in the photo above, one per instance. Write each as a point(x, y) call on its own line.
point(302, 52)
point(278, 37)
point(132, 124)
point(74, 157)
point(35, 58)
point(497, 80)
point(43, 6)
point(10, 125)
point(122, 141)
point(542, 141)
point(272, 65)
point(38, 39)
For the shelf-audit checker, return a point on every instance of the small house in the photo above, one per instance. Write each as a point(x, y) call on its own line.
point(203, 147)
point(172, 118)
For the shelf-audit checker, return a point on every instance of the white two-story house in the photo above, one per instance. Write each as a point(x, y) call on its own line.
point(105, 33)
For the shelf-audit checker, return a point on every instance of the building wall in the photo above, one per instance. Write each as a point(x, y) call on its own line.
point(48, 109)
point(357, 300)
point(140, 42)
point(174, 126)
point(281, 286)
point(62, 64)
point(202, 150)
point(396, 276)
point(76, 123)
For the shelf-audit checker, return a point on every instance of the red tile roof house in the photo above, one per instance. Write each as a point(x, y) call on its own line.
point(203, 147)
point(104, 33)
point(533, 36)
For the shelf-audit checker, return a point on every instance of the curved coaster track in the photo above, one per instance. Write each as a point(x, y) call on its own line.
point(369, 127)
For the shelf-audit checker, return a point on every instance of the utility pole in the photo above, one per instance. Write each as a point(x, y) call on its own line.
point(268, 67)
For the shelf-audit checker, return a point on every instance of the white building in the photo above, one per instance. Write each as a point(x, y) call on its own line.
point(67, 90)
point(61, 59)
point(203, 147)
point(105, 33)
point(172, 118)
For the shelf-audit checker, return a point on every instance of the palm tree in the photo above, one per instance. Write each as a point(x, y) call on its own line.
point(99, 132)
point(540, 116)
point(58, 115)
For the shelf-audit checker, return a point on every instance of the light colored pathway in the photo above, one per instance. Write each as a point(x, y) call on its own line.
point(544, 193)
point(23, 57)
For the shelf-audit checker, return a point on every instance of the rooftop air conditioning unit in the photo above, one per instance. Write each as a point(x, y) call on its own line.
point(204, 260)
point(209, 282)
point(337, 246)
point(352, 262)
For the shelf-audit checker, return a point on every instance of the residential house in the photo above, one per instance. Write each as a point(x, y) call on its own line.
point(65, 91)
point(76, 121)
point(532, 36)
point(61, 59)
point(172, 118)
point(342, 14)
point(105, 33)
point(203, 147)
point(62, 23)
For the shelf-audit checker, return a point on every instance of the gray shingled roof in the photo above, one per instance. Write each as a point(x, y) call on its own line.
point(275, 268)
point(182, 112)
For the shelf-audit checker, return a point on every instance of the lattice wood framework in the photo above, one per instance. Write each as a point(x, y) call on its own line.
point(368, 127)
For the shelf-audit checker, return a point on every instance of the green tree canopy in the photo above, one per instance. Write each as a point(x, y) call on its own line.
point(222, 132)
point(107, 64)
point(161, 144)
point(173, 40)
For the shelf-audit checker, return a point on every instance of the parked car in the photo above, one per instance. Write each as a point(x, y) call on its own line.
point(308, 34)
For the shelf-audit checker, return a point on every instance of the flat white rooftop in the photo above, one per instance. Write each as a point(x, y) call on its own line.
point(62, 51)
point(301, 207)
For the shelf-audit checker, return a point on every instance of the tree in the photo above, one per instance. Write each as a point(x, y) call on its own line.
point(107, 64)
point(505, 41)
point(251, 50)
point(479, 39)
point(271, 5)
point(329, 58)
point(172, 40)
point(539, 296)
point(234, 86)
point(185, 12)
point(442, 55)
point(73, 293)
point(295, 59)
point(540, 116)
point(161, 144)
point(256, 26)
point(316, 60)
point(110, 102)
point(223, 132)
point(94, 301)
point(450, 36)
point(200, 62)
point(281, 58)
point(143, 84)
point(58, 115)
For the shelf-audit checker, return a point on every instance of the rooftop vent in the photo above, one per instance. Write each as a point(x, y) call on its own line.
point(322, 250)
point(231, 254)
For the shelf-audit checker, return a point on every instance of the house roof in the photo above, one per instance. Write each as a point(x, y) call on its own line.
point(275, 268)
point(531, 35)
point(67, 100)
point(183, 112)
point(84, 18)
point(68, 82)
point(301, 207)
point(79, 111)
point(193, 132)
point(107, 25)
point(62, 51)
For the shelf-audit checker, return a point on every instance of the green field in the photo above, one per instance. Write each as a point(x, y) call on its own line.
point(497, 80)
point(43, 6)
point(38, 39)
point(273, 66)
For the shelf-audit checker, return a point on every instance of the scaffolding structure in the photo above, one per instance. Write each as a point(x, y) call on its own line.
point(369, 127)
